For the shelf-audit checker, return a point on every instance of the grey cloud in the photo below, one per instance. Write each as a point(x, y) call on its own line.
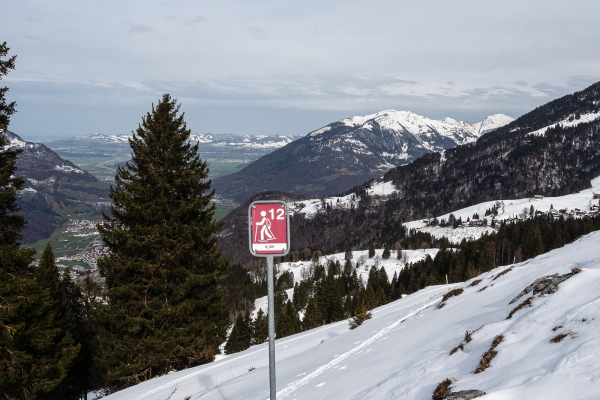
point(34, 37)
point(257, 33)
point(520, 83)
point(139, 28)
point(195, 20)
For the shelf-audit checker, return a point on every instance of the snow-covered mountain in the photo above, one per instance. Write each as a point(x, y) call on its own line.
point(38, 163)
point(219, 140)
point(411, 131)
point(346, 153)
point(547, 348)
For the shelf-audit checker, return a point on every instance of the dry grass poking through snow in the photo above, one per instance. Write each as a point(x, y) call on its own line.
point(489, 355)
point(506, 271)
point(476, 282)
point(526, 303)
point(454, 292)
point(442, 390)
point(558, 338)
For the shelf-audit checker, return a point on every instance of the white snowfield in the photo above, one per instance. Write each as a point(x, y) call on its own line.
point(568, 123)
point(571, 205)
point(403, 351)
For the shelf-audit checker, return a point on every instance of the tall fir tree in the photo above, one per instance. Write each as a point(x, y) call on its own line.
point(33, 358)
point(165, 308)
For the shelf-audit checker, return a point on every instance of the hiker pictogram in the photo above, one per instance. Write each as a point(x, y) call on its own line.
point(265, 231)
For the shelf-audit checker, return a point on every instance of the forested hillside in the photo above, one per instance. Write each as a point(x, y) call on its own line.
point(506, 163)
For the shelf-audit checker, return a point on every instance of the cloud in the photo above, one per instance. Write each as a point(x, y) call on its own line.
point(140, 28)
point(195, 20)
point(257, 33)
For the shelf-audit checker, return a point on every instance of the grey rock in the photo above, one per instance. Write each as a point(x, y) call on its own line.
point(544, 285)
point(464, 395)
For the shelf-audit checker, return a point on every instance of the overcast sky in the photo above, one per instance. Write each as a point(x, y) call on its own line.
point(289, 67)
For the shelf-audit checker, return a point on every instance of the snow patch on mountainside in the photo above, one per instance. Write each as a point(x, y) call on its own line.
point(403, 352)
point(568, 122)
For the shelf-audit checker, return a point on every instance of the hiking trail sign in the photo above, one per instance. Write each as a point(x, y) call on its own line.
point(269, 234)
point(269, 229)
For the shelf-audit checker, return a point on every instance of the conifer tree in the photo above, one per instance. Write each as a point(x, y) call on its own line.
point(386, 252)
point(372, 250)
point(260, 332)
point(362, 314)
point(64, 304)
point(312, 316)
point(165, 308)
point(33, 358)
point(240, 337)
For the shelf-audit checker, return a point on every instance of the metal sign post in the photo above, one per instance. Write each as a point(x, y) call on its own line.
point(269, 235)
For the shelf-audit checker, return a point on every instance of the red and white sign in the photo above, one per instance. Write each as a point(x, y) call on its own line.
point(268, 223)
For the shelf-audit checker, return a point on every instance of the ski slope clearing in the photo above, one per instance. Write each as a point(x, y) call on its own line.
point(549, 348)
point(568, 122)
point(572, 205)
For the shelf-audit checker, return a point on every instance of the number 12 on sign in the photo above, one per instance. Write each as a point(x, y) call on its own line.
point(268, 228)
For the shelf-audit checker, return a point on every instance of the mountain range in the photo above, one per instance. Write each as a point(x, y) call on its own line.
point(517, 160)
point(346, 153)
point(217, 140)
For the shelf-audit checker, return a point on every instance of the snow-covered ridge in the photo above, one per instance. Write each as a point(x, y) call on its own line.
point(572, 205)
point(311, 207)
point(568, 122)
point(406, 121)
point(223, 140)
point(549, 349)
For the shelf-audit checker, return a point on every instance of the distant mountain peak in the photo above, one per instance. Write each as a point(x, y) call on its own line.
point(345, 153)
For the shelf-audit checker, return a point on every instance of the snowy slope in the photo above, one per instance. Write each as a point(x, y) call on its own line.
point(568, 122)
point(403, 351)
point(572, 205)
point(569, 205)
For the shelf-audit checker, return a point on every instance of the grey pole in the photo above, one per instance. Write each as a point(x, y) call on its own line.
point(271, 318)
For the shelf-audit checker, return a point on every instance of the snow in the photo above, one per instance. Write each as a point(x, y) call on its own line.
point(68, 169)
point(509, 210)
point(566, 123)
point(406, 121)
point(246, 141)
point(313, 206)
point(403, 351)
point(319, 131)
